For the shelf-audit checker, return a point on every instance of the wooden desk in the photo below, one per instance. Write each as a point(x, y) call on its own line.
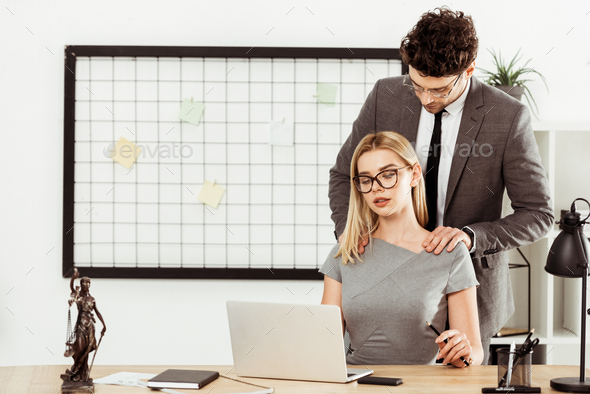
point(417, 379)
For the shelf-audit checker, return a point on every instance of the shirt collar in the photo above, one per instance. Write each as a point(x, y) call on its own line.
point(456, 107)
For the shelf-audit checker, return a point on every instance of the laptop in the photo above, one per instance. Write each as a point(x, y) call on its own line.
point(289, 341)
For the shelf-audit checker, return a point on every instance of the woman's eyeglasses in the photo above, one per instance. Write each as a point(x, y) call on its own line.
point(386, 179)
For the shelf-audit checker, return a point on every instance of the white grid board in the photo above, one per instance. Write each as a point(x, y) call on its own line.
point(274, 213)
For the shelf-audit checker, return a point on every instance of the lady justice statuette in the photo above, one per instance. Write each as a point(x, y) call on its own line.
point(81, 341)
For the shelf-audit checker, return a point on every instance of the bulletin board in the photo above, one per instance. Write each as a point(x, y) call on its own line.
point(207, 162)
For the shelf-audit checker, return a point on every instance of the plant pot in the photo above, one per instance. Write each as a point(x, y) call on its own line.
point(514, 91)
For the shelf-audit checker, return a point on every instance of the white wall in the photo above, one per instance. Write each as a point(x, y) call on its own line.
point(183, 321)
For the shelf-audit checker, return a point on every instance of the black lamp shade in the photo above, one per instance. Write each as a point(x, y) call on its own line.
point(563, 258)
point(568, 258)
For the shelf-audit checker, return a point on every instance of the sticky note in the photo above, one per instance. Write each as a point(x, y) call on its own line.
point(327, 94)
point(191, 112)
point(125, 152)
point(211, 194)
point(281, 133)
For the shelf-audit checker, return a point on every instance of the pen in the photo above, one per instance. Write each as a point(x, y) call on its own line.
point(446, 340)
point(529, 336)
point(510, 362)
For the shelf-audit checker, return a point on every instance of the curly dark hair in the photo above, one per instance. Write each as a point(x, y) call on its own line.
point(442, 44)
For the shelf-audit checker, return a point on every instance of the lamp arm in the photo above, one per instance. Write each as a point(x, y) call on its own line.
point(578, 233)
point(583, 333)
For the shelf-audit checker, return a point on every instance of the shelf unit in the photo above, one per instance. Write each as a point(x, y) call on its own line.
point(553, 299)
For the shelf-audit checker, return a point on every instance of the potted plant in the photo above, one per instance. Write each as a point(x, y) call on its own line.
point(512, 79)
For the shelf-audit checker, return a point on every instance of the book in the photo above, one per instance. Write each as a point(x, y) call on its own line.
point(182, 379)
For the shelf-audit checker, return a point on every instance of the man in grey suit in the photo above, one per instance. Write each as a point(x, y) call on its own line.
point(473, 142)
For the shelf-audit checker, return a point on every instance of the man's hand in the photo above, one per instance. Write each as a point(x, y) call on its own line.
point(361, 245)
point(443, 236)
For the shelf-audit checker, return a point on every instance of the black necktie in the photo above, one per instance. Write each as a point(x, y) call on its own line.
point(431, 177)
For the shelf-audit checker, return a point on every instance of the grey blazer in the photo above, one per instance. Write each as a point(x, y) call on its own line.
point(508, 160)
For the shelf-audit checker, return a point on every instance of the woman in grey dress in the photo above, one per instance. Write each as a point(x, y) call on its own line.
point(387, 297)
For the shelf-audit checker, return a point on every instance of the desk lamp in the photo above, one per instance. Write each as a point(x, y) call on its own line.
point(568, 258)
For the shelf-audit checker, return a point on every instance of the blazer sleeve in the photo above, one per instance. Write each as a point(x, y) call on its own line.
point(339, 185)
point(528, 188)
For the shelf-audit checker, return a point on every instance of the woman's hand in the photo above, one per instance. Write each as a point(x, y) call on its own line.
point(457, 346)
point(76, 274)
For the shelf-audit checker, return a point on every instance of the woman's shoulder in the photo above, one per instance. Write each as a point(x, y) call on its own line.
point(335, 249)
point(458, 254)
point(335, 257)
point(457, 261)
point(332, 259)
point(332, 254)
point(460, 250)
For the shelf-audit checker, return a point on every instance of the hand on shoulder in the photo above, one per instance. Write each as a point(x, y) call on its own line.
point(448, 237)
point(361, 243)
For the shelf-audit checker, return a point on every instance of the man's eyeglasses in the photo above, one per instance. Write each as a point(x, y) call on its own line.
point(386, 179)
point(409, 83)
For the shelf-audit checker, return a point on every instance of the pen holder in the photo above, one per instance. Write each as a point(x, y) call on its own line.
point(521, 368)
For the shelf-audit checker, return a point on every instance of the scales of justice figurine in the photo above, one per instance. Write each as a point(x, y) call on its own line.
point(81, 340)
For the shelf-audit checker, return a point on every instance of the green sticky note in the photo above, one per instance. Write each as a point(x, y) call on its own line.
point(327, 94)
point(191, 112)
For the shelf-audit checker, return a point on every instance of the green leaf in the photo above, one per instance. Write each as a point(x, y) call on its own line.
point(511, 75)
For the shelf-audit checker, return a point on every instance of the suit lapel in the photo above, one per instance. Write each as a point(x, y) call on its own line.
point(410, 116)
point(471, 121)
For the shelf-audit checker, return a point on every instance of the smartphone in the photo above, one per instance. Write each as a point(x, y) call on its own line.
point(380, 381)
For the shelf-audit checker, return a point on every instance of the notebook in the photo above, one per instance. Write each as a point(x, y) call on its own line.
point(182, 379)
point(289, 341)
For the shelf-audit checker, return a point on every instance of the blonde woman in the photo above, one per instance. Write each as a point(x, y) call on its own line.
point(387, 296)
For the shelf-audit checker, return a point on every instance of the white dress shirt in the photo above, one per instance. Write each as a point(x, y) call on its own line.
point(451, 120)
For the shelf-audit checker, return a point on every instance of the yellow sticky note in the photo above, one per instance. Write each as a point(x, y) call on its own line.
point(191, 112)
point(125, 152)
point(327, 94)
point(211, 194)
